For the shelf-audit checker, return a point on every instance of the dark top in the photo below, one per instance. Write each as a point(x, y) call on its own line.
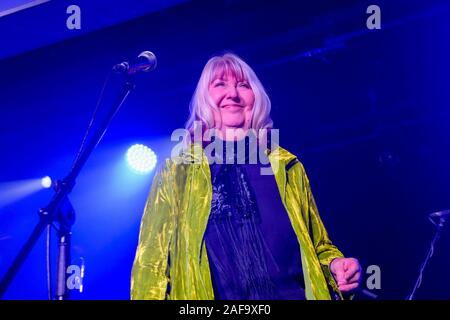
point(253, 251)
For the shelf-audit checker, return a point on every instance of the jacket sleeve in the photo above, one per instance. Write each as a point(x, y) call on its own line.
point(149, 276)
point(326, 251)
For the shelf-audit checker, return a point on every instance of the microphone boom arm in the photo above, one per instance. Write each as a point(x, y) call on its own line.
point(52, 212)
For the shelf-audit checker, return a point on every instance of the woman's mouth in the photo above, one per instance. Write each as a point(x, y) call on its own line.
point(232, 107)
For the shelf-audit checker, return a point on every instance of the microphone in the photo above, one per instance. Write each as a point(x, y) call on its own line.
point(442, 215)
point(145, 62)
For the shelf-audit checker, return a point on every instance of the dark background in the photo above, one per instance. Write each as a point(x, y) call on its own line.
point(366, 111)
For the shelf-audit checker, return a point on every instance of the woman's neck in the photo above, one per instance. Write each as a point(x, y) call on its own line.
point(232, 134)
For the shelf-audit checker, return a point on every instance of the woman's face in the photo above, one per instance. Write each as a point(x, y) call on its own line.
point(234, 100)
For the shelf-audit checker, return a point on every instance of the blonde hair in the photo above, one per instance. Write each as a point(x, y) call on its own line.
point(201, 103)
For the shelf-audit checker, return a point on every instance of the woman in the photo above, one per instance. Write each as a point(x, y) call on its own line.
point(214, 230)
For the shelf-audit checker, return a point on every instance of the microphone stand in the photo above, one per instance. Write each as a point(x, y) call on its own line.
point(436, 237)
point(60, 210)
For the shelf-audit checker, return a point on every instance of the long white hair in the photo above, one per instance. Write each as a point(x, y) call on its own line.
point(201, 105)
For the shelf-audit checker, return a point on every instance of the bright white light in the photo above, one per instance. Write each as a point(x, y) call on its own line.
point(46, 182)
point(141, 158)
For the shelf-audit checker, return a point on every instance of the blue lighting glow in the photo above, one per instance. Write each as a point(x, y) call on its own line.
point(141, 158)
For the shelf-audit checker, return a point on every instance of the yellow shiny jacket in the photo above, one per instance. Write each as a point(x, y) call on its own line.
point(171, 259)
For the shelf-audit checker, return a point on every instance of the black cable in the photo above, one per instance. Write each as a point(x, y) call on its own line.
point(48, 262)
point(94, 115)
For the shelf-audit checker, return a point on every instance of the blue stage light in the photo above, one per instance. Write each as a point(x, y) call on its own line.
point(141, 158)
point(46, 182)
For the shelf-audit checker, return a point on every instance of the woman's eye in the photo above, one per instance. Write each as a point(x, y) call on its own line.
point(244, 84)
point(219, 84)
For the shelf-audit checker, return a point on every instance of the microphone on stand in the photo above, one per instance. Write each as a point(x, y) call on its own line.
point(441, 214)
point(145, 62)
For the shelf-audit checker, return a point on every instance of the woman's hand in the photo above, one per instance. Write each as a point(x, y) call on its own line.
point(347, 272)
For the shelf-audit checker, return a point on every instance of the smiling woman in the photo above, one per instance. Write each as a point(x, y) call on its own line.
point(227, 231)
point(229, 96)
point(234, 100)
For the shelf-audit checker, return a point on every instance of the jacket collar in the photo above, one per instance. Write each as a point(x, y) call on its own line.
point(194, 154)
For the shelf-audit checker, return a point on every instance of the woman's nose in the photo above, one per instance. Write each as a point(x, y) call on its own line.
point(233, 92)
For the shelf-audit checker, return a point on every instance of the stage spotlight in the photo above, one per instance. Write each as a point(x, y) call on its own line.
point(13, 191)
point(46, 182)
point(141, 158)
